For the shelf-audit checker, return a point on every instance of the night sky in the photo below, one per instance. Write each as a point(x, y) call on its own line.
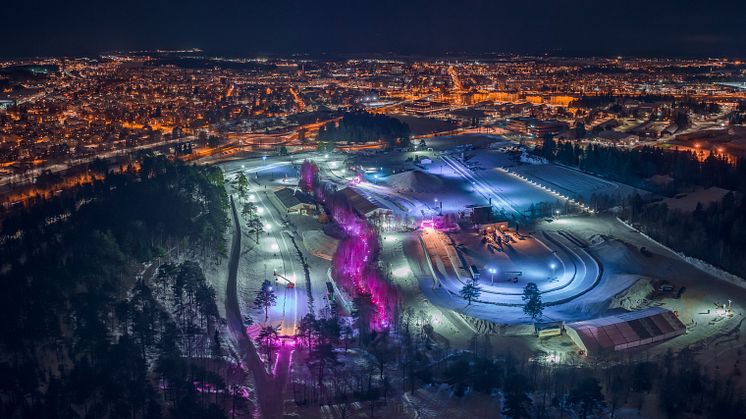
point(420, 27)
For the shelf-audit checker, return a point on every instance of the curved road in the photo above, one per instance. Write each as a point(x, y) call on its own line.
point(269, 387)
point(585, 274)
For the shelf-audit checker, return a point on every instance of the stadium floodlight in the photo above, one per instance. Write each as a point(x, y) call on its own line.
point(492, 272)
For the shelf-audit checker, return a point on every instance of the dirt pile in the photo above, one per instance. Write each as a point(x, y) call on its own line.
point(634, 296)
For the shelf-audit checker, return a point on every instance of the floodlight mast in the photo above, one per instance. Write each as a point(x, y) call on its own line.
point(290, 284)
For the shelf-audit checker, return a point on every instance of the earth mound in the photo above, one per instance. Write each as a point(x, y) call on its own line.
point(415, 181)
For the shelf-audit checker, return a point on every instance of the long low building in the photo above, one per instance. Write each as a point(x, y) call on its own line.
point(363, 205)
point(625, 331)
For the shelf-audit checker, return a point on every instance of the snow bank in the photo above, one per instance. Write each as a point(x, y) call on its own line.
point(487, 327)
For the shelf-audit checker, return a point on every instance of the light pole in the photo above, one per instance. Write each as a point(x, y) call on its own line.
point(553, 266)
point(493, 271)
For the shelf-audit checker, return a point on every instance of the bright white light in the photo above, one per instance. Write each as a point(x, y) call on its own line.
point(259, 210)
point(401, 271)
point(553, 358)
point(552, 266)
point(275, 247)
point(268, 226)
point(252, 197)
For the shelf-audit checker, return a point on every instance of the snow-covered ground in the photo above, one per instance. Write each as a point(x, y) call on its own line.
point(573, 183)
point(582, 246)
point(276, 251)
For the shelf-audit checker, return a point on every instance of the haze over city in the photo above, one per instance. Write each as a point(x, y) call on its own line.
point(372, 209)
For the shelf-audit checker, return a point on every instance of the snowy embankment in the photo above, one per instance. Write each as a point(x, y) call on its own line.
point(697, 263)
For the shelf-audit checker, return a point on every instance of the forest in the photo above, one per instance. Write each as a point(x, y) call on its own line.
point(408, 361)
point(87, 331)
point(636, 166)
point(715, 233)
point(360, 127)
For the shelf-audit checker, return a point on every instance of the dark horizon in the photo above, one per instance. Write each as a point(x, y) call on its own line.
point(667, 28)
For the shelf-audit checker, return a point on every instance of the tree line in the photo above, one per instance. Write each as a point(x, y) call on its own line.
point(360, 127)
point(636, 166)
point(715, 233)
point(87, 332)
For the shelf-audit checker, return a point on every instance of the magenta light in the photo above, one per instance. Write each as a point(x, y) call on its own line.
point(357, 179)
point(427, 224)
point(355, 263)
point(309, 177)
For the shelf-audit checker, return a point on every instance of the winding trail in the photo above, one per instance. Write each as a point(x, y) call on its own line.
point(269, 386)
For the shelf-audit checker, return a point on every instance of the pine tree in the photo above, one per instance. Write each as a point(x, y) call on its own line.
point(532, 300)
point(265, 298)
point(470, 292)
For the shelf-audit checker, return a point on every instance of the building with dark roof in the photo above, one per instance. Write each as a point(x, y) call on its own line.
point(625, 331)
point(537, 127)
point(364, 205)
point(295, 201)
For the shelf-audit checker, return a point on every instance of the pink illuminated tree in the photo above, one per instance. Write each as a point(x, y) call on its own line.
point(355, 264)
point(309, 177)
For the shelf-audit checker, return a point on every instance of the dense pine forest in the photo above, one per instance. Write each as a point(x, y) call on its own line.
point(86, 330)
point(360, 127)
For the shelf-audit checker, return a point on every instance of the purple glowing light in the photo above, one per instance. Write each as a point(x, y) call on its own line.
point(427, 224)
point(357, 179)
point(309, 177)
point(354, 265)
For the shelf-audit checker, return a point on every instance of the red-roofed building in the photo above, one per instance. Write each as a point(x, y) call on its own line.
point(625, 331)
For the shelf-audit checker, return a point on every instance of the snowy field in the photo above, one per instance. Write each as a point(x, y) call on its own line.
point(485, 182)
point(573, 183)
